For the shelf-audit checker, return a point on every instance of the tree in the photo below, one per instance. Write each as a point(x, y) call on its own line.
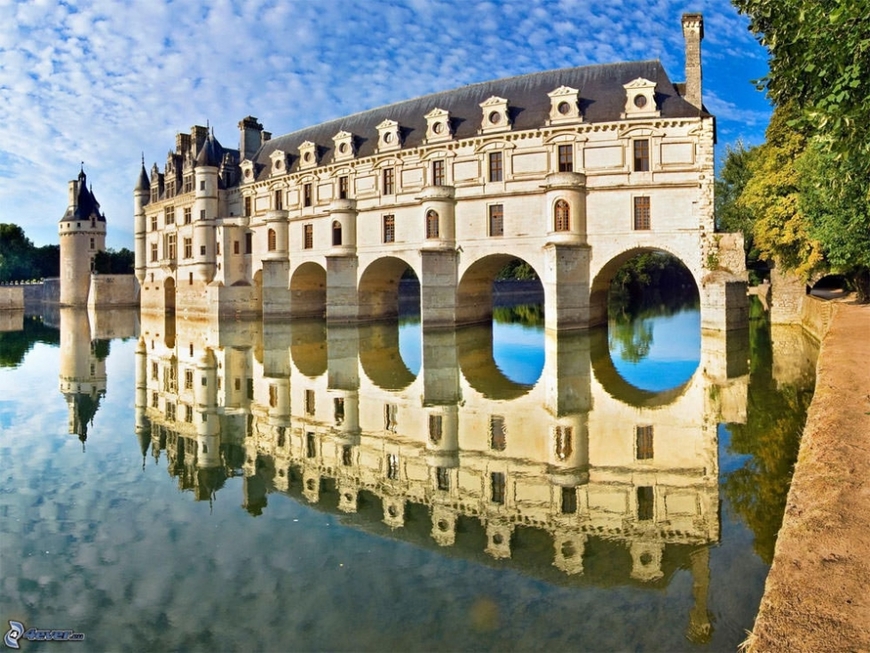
point(771, 196)
point(16, 262)
point(820, 62)
point(731, 216)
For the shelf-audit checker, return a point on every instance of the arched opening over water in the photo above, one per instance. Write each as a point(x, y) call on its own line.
point(384, 286)
point(830, 286)
point(513, 378)
point(653, 326)
point(308, 350)
point(308, 291)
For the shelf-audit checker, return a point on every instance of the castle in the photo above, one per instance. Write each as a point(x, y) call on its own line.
point(573, 171)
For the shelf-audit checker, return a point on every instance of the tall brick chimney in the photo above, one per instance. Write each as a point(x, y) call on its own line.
point(693, 33)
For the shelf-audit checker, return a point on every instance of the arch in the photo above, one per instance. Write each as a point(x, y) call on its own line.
point(336, 233)
point(379, 288)
point(308, 291)
point(561, 216)
point(381, 358)
point(474, 293)
point(829, 286)
point(169, 295)
point(432, 225)
point(477, 363)
point(617, 387)
point(308, 348)
point(600, 286)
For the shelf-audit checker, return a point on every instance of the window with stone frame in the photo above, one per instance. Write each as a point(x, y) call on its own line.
point(272, 240)
point(338, 410)
point(336, 233)
point(435, 425)
point(569, 500)
point(566, 158)
point(562, 216)
point(169, 215)
point(644, 442)
point(309, 403)
point(188, 248)
point(171, 251)
point(389, 181)
point(497, 433)
point(153, 252)
point(641, 155)
point(432, 226)
point(496, 480)
point(248, 204)
point(442, 475)
point(496, 166)
point(392, 466)
point(645, 503)
point(496, 219)
point(642, 221)
point(343, 187)
point(153, 223)
point(564, 437)
point(187, 215)
point(307, 195)
point(391, 417)
point(438, 172)
point(308, 236)
point(389, 228)
point(279, 200)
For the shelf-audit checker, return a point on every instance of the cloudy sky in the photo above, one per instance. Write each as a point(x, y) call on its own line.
point(106, 81)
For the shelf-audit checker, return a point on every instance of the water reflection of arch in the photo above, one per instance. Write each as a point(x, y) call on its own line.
point(617, 387)
point(381, 359)
point(308, 347)
point(308, 290)
point(600, 287)
point(378, 290)
point(478, 366)
point(474, 300)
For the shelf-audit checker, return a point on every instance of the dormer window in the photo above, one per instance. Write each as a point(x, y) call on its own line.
point(564, 105)
point(438, 126)
point(307, 155)
point(389, 136)
point(640, 101)
point(344, 147)
point(247, 167)
point(495, 115)
point(279, 162)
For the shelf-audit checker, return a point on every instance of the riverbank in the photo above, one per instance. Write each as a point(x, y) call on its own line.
point(816, 597)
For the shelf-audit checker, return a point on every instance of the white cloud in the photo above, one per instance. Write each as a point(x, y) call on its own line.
point(103, 80)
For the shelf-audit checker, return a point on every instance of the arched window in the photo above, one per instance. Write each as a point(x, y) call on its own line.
point(431, 224)
point(336, 233)
point(273, 240)
point(563, 216)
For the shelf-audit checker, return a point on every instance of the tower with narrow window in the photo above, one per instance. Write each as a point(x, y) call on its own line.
point(82, 231)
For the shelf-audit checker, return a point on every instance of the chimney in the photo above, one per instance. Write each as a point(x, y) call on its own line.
point(693, 33)
point(250, 137)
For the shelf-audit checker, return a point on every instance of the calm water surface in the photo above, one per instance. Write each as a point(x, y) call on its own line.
point(289, 487)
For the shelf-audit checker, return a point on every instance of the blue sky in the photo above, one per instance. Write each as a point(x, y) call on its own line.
point(103, 81)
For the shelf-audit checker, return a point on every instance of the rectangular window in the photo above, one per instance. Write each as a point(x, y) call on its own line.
point(308, 236)
point(188, 184)
point(497, 433)
point(306, 195)
point(279, 200)
point(188, 248)
point(496, 166)
point(435, 429)
point(564, 436)
point(92, 243)
point(310, 445)
point(392, 466)
point(496, 220)
point(169, 215)
point(644, 438)
point(645, 503)
point(249, 243)
point(389, 179)
point(443, 477)
point(569, 500)
point(497, 481)
point(202, 184)
point(438, 172)
point(347, 455)
point(390, 417)
point(641, 155)
point(153, 223)
point(188, 414)
point(153, 252)
point(202, 250)
point(236, 248)
point(641, 213)
point(187, 215)
point(247, 206)
point(389, 228)
point(342, 188)
point(155, 400)
point(170, 247)
point(309, 402)
point(155, 370)
point(188, 379)
point(273, 395)
point(566, 158)
point(202, 214)
point(338, 410)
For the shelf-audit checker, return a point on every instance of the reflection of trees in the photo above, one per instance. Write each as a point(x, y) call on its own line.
point(15, 344)
point(634, 338)
point(525, 314)
point(775, 417)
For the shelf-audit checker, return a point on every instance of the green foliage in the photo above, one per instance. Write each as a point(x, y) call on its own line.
point(651, 270)
point(771, 195)
point(20, 260)
point(112, 262)
point(731, 216)
point(820, 64)
point(517, 270)
point(531, 315)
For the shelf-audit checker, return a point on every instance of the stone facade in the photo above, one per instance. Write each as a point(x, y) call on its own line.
point(573, 171)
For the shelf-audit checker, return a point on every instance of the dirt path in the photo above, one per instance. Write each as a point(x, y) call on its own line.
point(817, 595)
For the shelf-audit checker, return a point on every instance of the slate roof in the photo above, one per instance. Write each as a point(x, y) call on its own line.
point(602, 99)
point(87, 205)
